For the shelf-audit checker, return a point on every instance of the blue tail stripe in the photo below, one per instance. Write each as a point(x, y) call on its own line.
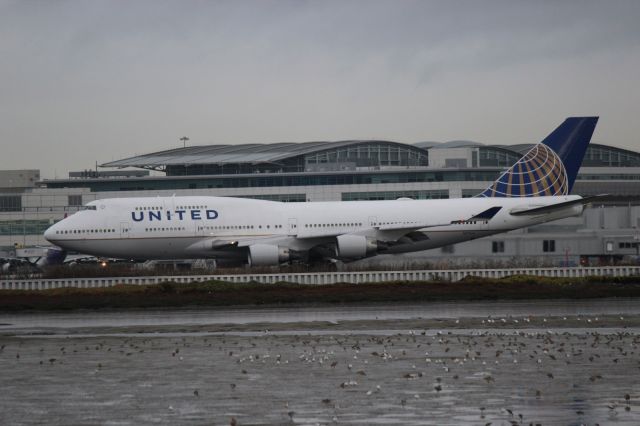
point(570, 142)
point(501, 188)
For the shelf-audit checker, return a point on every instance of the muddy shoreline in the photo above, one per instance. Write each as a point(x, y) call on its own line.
point(540, 362)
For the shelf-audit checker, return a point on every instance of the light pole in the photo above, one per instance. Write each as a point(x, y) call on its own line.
point(184, 140)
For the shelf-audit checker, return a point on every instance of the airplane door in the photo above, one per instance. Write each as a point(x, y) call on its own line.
point(293, 226)
point(199, 226)
point(372, 221)
point(200, 230)
point(125, 230)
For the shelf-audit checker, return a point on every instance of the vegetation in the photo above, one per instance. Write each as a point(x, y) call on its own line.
point(220, 293)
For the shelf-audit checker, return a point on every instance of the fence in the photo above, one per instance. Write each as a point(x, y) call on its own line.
point(324, 277)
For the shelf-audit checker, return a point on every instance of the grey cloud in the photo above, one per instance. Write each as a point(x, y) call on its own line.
point(107, 78)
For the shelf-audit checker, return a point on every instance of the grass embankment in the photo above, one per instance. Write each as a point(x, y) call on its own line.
point(218, 293)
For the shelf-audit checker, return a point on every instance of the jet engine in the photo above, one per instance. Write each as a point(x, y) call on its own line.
point(267, 255)
point(355, 246)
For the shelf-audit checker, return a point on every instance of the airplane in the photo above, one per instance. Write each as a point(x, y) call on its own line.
point(267, 233)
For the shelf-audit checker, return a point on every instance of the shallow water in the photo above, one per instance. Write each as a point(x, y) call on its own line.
point(551, 362)
point(445, 310)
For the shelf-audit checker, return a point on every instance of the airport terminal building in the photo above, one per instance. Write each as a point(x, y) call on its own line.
point(349, 171)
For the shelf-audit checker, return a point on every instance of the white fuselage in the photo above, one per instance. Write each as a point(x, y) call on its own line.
point(202, 226)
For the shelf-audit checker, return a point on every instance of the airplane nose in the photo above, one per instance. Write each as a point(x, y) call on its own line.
point(49, 234)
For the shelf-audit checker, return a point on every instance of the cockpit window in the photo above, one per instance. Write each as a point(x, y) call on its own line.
point(88, 208)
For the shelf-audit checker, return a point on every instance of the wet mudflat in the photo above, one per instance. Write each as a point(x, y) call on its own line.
point(544, 362)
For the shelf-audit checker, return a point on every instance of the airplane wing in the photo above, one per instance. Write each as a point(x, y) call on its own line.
point(391, 232)
point(555, 207)
point(484, 215)
point(384, 233)
point(387, 232)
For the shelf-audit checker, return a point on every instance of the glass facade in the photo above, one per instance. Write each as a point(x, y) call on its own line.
point(369, 155)
point(74, 200)
point(595, 156)
point(468, 193)
point(393, 195)
point(10, 203)
point(612, 176)
point(24, 227)
point(285, 198)
point(496, 157)
point(275, 180)
point(357, 163)
point(604, 156)
point(289, 165)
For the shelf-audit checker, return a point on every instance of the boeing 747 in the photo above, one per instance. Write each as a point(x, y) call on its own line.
point(234, 230)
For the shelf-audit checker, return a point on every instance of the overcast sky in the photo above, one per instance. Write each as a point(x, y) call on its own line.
point(86, 81)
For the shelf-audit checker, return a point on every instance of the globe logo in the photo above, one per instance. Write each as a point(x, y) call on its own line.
point(539, 172)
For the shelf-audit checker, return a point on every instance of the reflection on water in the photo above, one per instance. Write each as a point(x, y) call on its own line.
point(549, 362)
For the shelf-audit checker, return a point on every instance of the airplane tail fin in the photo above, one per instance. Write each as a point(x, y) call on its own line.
point(550, 167)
